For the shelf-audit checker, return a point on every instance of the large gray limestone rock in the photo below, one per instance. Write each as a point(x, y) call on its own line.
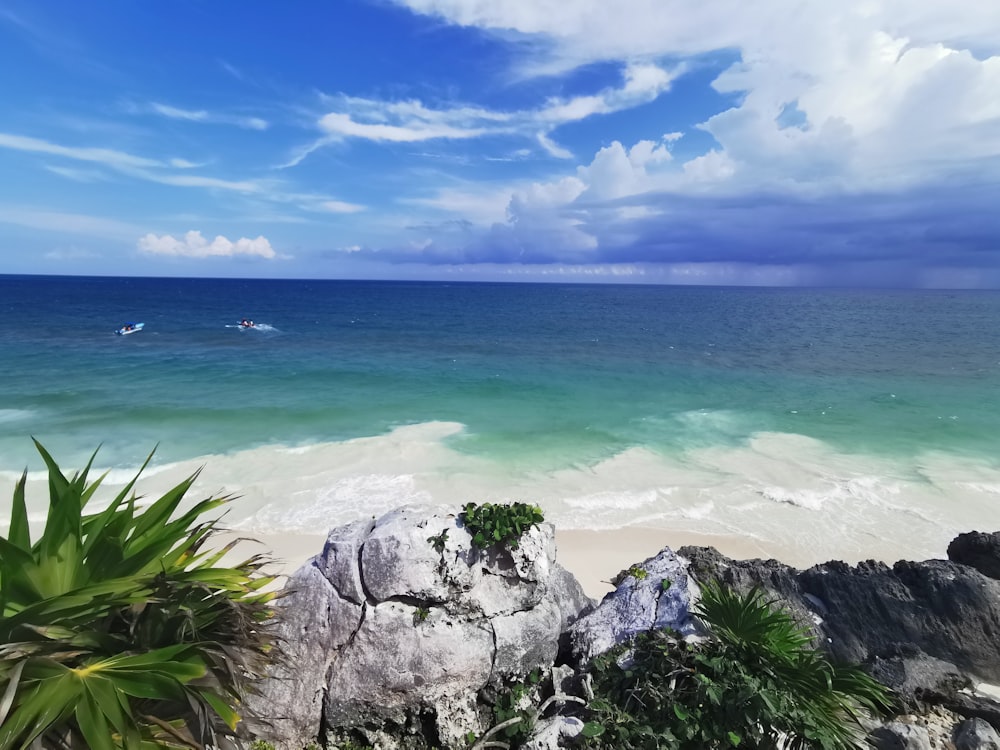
point(657, 594)
point(399, 624)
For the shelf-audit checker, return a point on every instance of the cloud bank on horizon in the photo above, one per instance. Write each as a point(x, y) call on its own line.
point(666, 141)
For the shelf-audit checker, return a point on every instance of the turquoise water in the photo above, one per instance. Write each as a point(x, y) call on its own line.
point(541, 385)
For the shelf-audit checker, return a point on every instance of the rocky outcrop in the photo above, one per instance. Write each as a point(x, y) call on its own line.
point(396, 627)
point(653, 594)
point(899, 736)
point(401, 633)
point(977, 550)
point(975, 734)
point(944, 609)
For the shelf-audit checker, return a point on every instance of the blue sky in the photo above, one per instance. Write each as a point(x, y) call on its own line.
point(652, 141)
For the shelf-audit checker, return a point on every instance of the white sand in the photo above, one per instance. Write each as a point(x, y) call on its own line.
point(594, 557)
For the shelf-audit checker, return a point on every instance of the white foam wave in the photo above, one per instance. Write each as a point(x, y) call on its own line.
point(325, 507)
point(16, 415)
point(798, 498)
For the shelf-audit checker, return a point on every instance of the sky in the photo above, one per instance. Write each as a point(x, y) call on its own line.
point(778, 142)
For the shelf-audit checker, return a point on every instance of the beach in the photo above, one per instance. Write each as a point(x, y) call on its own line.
point(289, 498)
point(593, 557)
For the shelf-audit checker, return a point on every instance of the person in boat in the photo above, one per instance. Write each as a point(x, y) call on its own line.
point(246, 323)
point(128, 327)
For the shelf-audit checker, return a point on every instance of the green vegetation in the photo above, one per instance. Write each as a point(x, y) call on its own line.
point(502, 524)
point(438, 541)
point(516, 711)
point(638, 572)
point(757, 684)
point(420, 614)
point(118, 629)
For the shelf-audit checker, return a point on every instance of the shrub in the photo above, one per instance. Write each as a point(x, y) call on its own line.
point(637, 572)
point(502, 524)
point(118, 629)
point(757, 684)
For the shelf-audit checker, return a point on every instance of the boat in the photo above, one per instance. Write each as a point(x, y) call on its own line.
point(128, 328)
point(246, 323)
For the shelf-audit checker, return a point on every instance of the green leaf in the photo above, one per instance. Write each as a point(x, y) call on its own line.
point(592, 729)
point(124, 612)
point(20, 535)
point(93, 724)
point(734, 739)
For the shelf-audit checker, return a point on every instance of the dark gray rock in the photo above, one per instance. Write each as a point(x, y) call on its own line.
point(917, 678)
point(947, 610)
point(899, 736)
point(977, 550)
point(975, 734)
point(973, 706)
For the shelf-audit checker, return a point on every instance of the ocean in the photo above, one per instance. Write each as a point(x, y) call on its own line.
point(822, 423)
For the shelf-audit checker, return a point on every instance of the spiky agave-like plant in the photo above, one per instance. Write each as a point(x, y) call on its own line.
point(757, 683)
point(810, 701)
point(119, 629)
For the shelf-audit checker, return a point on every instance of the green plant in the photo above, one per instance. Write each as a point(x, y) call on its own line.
point(638, 572)
point(118, 629)
point(420, 614)
point(438, 541)
point(516, 711)
point(757, 684)
point(502, 524)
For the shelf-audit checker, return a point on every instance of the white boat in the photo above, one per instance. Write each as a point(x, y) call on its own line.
point(128, 328)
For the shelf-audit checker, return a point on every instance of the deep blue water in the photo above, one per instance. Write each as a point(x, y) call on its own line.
point(540, 375)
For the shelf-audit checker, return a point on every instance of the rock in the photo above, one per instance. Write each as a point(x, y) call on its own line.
point(314, 622)
point(343, 545)
point(975, 734)
point(977, 550)
point(949, 611)
point(638, 604)
point(396, 665)
point(899, 736)
point(398, 625)
point(917, 678)
point(549, 733)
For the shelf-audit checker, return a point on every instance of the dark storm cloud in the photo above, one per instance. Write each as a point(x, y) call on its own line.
point(947, 226)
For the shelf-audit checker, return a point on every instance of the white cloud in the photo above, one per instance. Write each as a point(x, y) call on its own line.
point(201, 115)
point(193, 245)
point(481, 204)
point(412, 121)
point(554, 148)
point(341, 207)
point(70, 223)
point(184, 164)
point(337, 124)
point(107, 156)
point(125, 163)
point(891, 93)
point(71, 253)
point(77, 175)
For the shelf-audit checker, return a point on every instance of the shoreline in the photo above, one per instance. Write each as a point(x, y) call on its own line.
point(594, 557)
